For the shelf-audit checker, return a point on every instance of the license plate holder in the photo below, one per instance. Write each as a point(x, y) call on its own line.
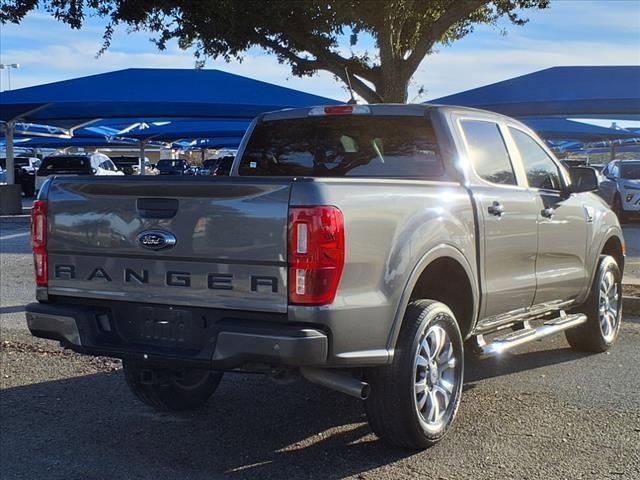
point(165, 327)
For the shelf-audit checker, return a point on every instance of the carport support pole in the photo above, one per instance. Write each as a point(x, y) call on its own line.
point(612, 150)
point(141, 162)
point(8, 135)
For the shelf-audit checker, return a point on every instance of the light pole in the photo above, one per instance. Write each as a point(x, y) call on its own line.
point(9, 66)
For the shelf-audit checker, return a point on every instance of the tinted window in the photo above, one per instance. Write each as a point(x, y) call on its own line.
point(488, 152)
point(542, 172)
point(125, 160)
point(175, 164)
point(53, 165)
point(363, 146)
point(108, 165)
point(630, 171)
point(615, 170)
point(17, 162)
point(224, 166)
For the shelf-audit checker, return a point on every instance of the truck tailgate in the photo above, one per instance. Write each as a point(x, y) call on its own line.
point(230, 237)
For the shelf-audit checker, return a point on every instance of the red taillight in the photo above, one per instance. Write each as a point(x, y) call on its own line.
point(39, 241)
point(316, 254)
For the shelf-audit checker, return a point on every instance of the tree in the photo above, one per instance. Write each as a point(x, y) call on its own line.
point(305, 34)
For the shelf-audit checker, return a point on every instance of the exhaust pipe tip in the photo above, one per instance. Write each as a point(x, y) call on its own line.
point(337, 381)
point(365, 391)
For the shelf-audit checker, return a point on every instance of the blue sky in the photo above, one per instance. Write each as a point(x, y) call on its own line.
point(571, 32)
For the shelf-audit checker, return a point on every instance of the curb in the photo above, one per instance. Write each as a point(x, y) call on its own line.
point(631, 305)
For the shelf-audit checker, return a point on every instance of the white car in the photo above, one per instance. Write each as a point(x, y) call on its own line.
point(626, 176)
point(75, 164)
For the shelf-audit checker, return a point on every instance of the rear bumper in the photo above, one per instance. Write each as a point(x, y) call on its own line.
point(227, 344)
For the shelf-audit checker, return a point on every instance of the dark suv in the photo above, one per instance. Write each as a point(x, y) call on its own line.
point(24, 169)
point(173, 167)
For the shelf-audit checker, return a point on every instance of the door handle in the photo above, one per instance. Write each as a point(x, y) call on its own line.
point(496, 209)
point(548, 212)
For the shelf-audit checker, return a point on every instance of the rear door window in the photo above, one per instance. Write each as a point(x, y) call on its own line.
point(345, 146)
point(488, 152)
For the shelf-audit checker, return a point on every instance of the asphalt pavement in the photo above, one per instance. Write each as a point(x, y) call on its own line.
point(543, 411)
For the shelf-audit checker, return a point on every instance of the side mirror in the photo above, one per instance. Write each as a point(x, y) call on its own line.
point(584, 179)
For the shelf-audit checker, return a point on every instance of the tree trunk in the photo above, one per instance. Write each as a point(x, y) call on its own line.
point(394, 91)
point(394, 85)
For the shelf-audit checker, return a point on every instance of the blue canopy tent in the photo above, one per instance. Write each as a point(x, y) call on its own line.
point(160, 93)
point(225, 142)
point(562, 129)
point(169, 130)
point(588, 92)
point(142, 94)
point(58, 143)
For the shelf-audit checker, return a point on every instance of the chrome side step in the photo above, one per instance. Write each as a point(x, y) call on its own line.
point(528, 334)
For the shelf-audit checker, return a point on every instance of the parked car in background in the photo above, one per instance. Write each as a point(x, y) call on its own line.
point(130, 165)
point(173, 167)
point(217, 166)
point(208, 166)
point(625, 175)
point(75, 164)
point(25, 173)
point(223, 168)
point(127, 165)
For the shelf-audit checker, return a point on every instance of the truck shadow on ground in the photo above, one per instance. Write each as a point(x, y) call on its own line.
point(477, 369)
point(91, 427)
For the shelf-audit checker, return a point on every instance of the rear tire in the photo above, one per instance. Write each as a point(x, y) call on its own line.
point(171, 390)
point(603, 310)
point(414, 401)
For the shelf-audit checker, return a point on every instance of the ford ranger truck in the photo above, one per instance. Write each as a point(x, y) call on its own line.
point(362, 247)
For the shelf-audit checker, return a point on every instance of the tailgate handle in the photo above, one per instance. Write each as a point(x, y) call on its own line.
point(157, 207)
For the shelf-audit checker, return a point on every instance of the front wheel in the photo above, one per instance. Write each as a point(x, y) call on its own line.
point(171, 390)
point(413, 401)
point(603, 309)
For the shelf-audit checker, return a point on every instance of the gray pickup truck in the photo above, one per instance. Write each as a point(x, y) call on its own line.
point(360, 247)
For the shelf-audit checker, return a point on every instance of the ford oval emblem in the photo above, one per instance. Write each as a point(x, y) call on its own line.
point(156, 239)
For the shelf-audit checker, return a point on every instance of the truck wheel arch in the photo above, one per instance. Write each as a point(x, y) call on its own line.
point(443, 255)
point(612, 244)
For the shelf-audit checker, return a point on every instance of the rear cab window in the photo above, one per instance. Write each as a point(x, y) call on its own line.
point(344, 146)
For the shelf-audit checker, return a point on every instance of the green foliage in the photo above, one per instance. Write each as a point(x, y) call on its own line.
point(305, 34)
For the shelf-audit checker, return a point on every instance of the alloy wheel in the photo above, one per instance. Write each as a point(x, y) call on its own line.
point(608, 305)
point(436, 377)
